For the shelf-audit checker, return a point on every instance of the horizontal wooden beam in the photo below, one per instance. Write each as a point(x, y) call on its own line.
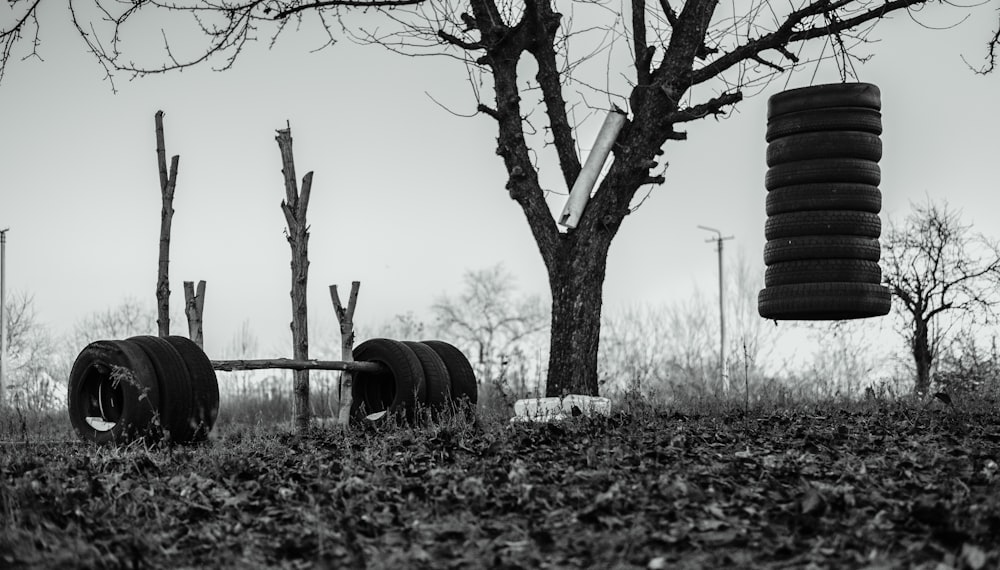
point(292, 364)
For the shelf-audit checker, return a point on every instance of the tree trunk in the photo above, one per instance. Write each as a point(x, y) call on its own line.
point(922, 356)
point(577, 284)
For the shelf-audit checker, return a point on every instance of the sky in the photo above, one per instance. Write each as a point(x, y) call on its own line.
point(406, 195)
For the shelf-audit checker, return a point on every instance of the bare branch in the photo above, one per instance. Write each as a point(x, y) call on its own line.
point(787, 33)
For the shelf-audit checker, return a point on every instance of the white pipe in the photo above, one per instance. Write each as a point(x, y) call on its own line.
point(584, 184)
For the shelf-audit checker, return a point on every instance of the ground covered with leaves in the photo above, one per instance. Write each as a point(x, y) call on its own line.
point(886, 485)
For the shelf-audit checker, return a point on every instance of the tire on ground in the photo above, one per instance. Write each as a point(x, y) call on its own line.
point(826, 119)
point(823, 222)
point(831, 196)
point(823, 301)
point(395, 391)
point(830, 144)
point(849, 170)
point(822, 270)
point(820, 247)
point(463, 379)
point(437, 382)
point(176, 392)
point(204, 384)
point(113, 393)
point(829, 95)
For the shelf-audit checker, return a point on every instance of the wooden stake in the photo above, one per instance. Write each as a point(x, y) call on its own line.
point(194, 307)
point(346, 318)
point(294, 207)
point(168, 181)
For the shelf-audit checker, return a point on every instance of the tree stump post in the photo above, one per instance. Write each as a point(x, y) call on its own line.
point(294, 207)
point(194, 307)
point(168, 181)
point(346, 319)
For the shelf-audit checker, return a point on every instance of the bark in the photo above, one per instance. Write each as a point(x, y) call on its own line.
point(922, 357)
point(294, 207)
point(168, 181)
point(577, 296)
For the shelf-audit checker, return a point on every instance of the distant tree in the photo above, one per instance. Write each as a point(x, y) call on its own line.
point(686, 61)
point(490, 320)
point(940, 273)
point(33, 368)
point(128, 318)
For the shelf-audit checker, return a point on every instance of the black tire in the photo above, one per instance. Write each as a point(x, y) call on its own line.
point(204, 384)
point(849, 170)
point(826, 119)
point(113, 393)
point(811, 197)
point(176, 393)
point(829, 95)
point(820, 247)
point(463, 378)
point(823, 222)
point(436, 379)
point(395, 391)
point(822, 270)
point(830, 144)
point(824, 301)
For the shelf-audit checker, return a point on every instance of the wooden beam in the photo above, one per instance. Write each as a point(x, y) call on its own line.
point(295, 364)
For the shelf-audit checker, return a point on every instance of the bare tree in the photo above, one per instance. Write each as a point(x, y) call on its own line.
point(34, 369)
point(128, 318)
point(688, 61)
point(941, 273)
point(489, 320)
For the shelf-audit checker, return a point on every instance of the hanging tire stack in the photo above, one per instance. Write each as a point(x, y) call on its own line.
point(823, 201)
point(431, 374)
point(145, 387)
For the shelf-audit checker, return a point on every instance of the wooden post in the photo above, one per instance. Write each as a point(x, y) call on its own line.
point(346, 318)
point(294, 207)
point(194, 306)
point(167, 184)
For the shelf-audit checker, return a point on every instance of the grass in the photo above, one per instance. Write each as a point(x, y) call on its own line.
point(879, 483)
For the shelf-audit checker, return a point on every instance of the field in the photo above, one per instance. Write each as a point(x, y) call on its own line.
point(874, 484)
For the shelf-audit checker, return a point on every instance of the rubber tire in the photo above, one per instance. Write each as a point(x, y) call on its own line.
point(139, 401)
point(204, 384)
point(463, 378)
point(831, 301)
point(396, 391)
point(823, 120)
point(822, 270)
point(823, 222)
point(176, 392)
point(850, 170)
point(830, 144)
point(821, 247)
point(828, 95)
point(811, 197)
point(436, 378)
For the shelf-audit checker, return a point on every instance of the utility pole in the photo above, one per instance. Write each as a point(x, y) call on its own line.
point(3, 309)
point(723, 366)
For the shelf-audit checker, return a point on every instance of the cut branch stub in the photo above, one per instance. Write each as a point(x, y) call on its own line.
point(194, 307)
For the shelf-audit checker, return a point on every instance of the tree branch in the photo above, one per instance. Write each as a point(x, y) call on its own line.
point(786, 34)
point(546, 24)
point(711, 107)
point(347, 3)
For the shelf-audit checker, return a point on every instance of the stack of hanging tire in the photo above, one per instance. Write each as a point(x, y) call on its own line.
point(823, 202)
point(145, 387)
point(427, 375)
